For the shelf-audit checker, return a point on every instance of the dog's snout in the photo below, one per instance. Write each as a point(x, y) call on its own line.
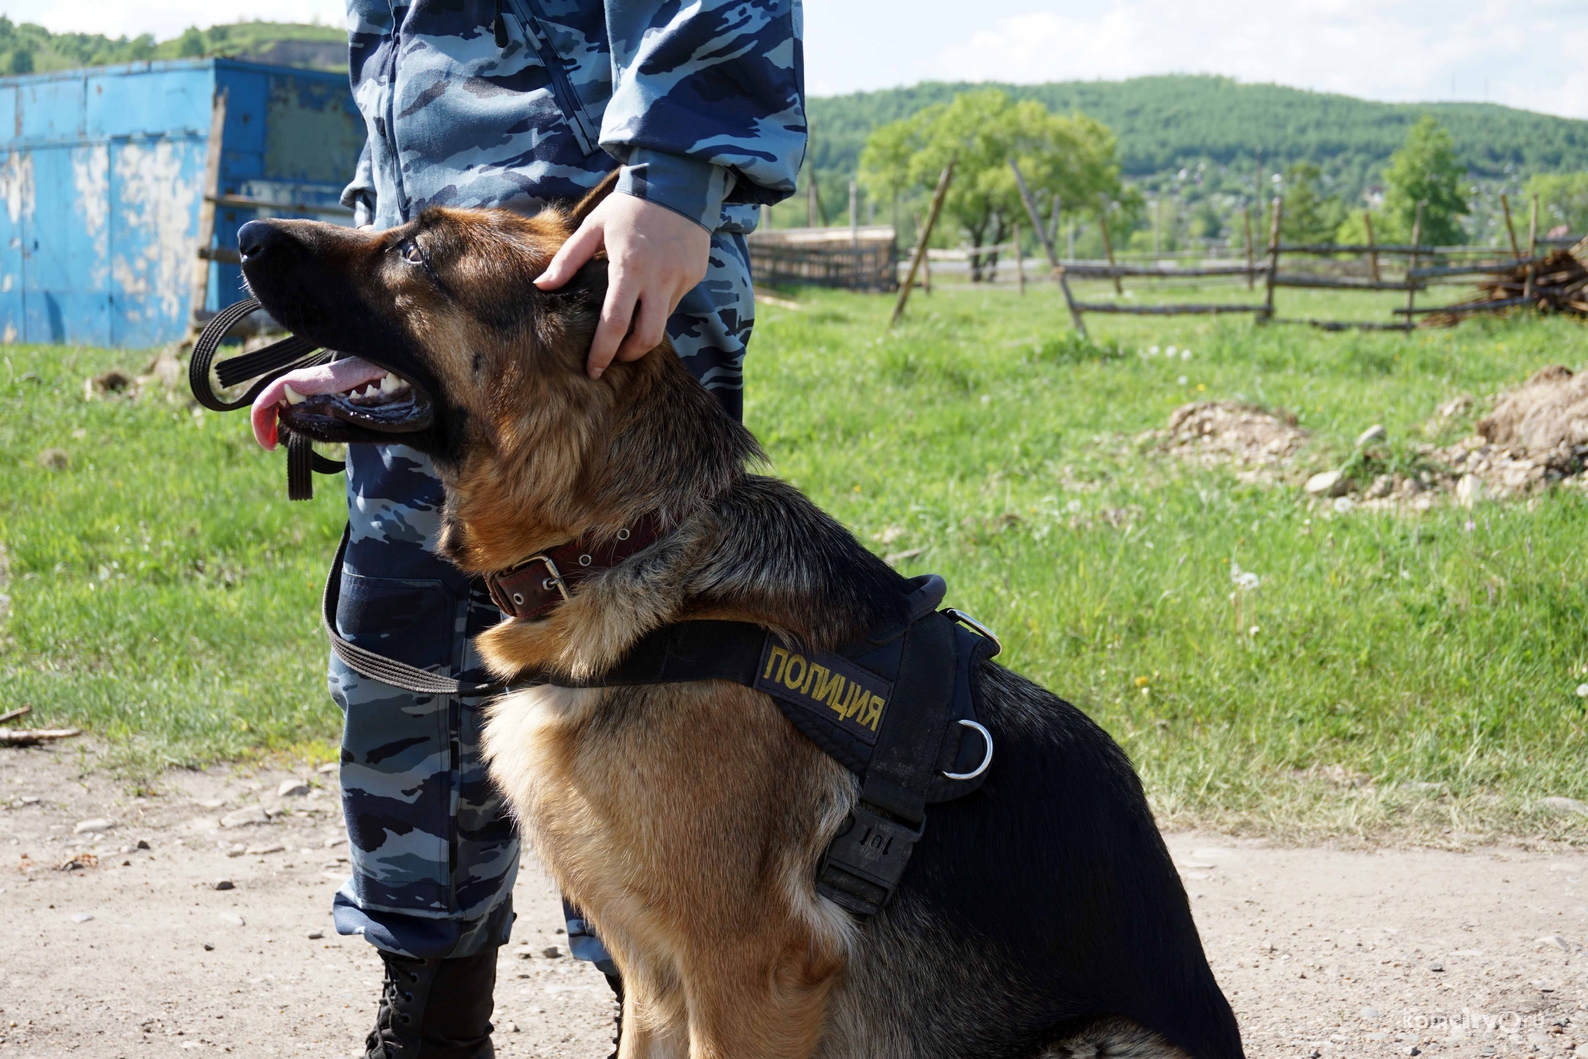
point(257, 239)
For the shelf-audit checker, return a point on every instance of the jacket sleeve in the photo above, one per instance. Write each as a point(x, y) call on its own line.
point(359, 195)
point(708, 102)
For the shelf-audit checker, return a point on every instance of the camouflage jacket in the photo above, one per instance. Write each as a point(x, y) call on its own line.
point(512, 102)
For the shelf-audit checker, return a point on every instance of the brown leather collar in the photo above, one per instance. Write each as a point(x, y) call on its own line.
point(534, 588)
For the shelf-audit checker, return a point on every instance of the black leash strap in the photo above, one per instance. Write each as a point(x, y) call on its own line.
point(868, 856)
point(265, 365)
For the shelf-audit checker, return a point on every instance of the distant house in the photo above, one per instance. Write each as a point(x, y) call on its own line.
point(121, 208)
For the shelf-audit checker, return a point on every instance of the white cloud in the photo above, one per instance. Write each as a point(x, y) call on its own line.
point(1399, 50)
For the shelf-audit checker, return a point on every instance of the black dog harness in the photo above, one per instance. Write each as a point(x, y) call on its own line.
point(897, 709)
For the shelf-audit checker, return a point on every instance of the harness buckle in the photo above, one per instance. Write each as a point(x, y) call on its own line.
point(977, 627)
point(865, 861)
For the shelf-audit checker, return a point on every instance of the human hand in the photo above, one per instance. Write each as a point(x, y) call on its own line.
point(655, 257)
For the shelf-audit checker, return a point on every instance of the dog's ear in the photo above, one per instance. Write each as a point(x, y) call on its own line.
point(593, 198)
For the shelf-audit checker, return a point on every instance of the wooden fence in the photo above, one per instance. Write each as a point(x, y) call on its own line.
point(859, 258)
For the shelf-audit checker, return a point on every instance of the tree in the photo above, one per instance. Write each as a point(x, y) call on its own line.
point(191, 44)
point(1562, 199)
point(1308, 216)
point(1426, 170)
point(1071, 158)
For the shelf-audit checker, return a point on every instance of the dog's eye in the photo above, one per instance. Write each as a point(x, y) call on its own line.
point(412, 254)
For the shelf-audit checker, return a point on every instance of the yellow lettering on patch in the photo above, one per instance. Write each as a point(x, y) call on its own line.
point(778, 657)
point(815, 669)
point(873, 716)
point(828, 687)
point(792, 680)
point(856, 698)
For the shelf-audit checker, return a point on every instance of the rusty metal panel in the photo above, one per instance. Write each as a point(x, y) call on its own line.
point(102, 175)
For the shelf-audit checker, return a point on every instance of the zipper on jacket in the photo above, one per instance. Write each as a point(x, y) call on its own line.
point(561, 87)
point(391, 122)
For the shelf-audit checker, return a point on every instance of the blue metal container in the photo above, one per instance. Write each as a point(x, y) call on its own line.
point(119, 216)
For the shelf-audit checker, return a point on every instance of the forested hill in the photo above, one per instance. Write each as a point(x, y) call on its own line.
point(1168, 123)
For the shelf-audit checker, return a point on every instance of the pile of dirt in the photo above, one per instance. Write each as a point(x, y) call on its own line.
point(1260, 443)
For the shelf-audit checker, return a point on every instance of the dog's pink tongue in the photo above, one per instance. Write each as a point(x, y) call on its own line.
point(338, 376)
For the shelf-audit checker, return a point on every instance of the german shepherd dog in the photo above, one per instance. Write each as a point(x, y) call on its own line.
point(1040, 916)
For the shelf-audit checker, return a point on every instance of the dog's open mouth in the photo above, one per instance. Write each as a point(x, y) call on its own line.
point(390, 406)
point(347, 400)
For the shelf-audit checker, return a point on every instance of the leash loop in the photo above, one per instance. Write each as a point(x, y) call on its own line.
point(264, 365)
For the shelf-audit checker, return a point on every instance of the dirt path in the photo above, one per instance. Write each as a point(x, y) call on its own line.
point(1323, 952)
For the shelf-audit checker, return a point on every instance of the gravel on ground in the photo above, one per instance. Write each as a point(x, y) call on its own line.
point(121, 940)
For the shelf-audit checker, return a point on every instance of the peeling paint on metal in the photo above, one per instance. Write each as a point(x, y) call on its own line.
point(91, 181)
point(160, 209)
point(16, 185)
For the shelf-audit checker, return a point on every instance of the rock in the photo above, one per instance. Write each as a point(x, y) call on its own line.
point(1382, 486)
point(1563, 805)
point(1555, 940)
point(329, 766)
point(233, 919)
point(1370, 1013)
point(111, 381)
point(1411, 1049)
point(223, 884)
point(208, 947)
point(1469, 490)
point(551, 952)
point(82, 917)
point(29, 799)
point(237, 850)
point(209, 803)
point(1436, 966)
point(1455, 406)
point(292, 789)
point(334, 840)
point(92, 827)
point(1327, 483)
point(1376, 432)
point(260, 851)
point(246, 816)
point(54, 459)
point(316, 935)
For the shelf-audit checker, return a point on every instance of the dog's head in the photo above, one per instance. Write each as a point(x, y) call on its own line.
point(496, 390)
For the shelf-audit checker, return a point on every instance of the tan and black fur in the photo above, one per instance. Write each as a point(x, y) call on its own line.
point(1039, 916)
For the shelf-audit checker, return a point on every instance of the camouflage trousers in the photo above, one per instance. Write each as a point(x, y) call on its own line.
point(434, 850)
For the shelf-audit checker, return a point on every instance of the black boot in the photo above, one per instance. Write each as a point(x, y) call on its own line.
point(435, 1009)
point(616, 983)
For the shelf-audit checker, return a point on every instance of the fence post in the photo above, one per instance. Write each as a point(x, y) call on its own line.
point(920, 243)
point(1036, 218)
point(1020, 260)
point(212, 188)
point(1108, 246)
point(1510, 229)
point(1251, 264)
point(1411, 287)
point(1372, 254)
point(1532, 249)
point(1273, 259)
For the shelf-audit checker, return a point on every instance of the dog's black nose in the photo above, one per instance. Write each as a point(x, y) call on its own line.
point(258, 238)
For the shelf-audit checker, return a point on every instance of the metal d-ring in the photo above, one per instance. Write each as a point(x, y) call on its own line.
point(985, 761)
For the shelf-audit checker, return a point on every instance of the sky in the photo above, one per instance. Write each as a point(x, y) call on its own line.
point(1520, 54)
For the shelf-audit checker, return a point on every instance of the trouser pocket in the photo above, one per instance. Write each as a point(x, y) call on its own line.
point(399, 749)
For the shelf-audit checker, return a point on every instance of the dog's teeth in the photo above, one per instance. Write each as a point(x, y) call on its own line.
point(294, 397)
point(370, 391)
point(389, 383)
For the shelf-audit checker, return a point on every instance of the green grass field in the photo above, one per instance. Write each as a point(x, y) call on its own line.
point(1414, 674)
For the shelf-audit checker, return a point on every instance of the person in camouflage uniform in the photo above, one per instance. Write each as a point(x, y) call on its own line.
point(521, 103)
